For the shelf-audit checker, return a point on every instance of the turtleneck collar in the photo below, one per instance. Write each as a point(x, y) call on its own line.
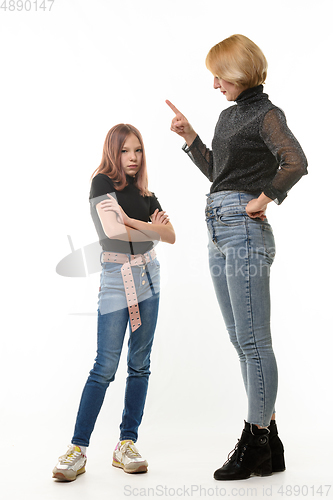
point(130, 179)
point(251, 95)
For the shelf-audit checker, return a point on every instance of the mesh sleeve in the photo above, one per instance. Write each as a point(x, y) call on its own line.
point(287, 151)
point(201, 156)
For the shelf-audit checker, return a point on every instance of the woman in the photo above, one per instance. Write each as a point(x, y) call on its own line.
point(121, 206)
point(254, 159)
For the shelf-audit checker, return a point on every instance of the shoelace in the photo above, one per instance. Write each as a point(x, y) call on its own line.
point(69, 456)
point(237, 446)
point(232, 452)
point(130, 449)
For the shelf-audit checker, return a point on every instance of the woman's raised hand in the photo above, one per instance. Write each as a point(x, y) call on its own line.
point(181, 126)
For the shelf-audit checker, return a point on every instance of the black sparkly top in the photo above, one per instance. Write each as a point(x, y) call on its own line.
point(253, 149)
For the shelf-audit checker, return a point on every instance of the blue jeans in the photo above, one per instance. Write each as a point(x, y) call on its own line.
point(241, 251)
point(113, 318)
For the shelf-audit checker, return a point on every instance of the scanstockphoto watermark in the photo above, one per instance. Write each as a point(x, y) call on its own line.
point(241, 261)
point(26, 5)
point(195, 491)
point(240, 269)
point(249, 251)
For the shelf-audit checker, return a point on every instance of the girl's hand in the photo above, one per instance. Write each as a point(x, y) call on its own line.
point(181, 126)
point(111, 205)
point(159, 217)
point(256, 209)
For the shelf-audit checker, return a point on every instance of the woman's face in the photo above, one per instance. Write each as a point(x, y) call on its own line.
point(228, 89)
point(131, 155)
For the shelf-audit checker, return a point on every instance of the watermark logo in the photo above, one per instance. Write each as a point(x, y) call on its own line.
point(82, 262)
point(26, 6)
point(199, 491)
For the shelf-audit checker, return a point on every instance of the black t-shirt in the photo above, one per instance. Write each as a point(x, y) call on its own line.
point(134, 205)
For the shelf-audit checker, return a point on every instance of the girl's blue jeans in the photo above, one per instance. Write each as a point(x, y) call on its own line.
point(241, 251)
point(113, 318)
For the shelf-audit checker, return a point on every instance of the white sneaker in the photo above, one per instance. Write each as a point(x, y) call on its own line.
point(127, 457)
point(70, 465)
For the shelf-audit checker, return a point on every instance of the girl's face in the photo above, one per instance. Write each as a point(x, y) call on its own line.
point(131, 155)
point(228, 89)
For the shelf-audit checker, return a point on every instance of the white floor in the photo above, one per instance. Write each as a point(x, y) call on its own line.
point(180, 466)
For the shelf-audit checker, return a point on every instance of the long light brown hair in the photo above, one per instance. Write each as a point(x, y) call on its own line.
point(111, 164)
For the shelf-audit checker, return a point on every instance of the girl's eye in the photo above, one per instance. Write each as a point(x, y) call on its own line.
point(139, 150)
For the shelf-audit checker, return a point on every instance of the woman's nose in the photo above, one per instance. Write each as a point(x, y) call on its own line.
point(216, 84)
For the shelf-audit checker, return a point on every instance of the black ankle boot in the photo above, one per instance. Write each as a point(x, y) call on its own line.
point(252, 456)
point(277, 450)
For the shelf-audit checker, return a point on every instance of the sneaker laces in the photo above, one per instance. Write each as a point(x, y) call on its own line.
point(130, 450)
point(70, 455)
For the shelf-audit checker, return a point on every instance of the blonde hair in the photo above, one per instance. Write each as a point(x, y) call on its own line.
point(111, 164)
point(238, 60)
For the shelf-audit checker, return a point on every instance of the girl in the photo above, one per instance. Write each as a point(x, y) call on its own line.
point(121, 207)
point(254, 159)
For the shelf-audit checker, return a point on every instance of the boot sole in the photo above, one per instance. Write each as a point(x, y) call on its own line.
point(261, 474)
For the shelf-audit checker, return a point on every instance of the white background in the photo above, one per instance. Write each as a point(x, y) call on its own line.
point(67, 76)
